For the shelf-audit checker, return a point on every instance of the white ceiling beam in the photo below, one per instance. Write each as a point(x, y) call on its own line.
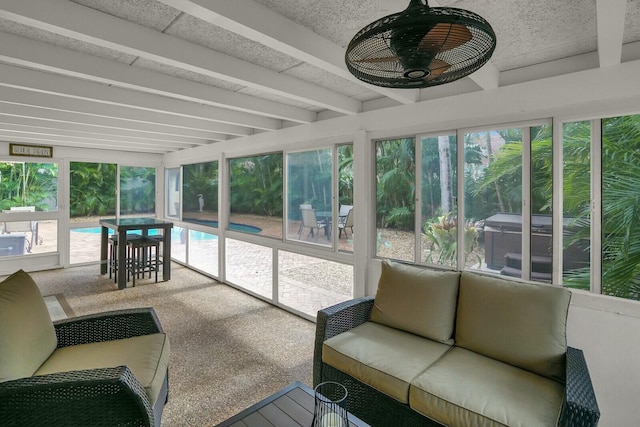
point(487, 77)
point(39, 81)
point(77, 129)
point(610, 20)
point(67, 141)
point(72, 20)
point(56, 102)
point(259, 23)
point(86, 136)
point(105, 123)
point(34, 54)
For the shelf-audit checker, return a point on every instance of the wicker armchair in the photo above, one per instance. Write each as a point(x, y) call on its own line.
point(97, 396)
point(579, 408)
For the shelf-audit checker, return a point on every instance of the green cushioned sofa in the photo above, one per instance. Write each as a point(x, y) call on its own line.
point(455, 349)
point(107, 369)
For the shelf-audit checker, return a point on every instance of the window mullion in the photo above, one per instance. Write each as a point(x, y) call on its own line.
point(596, 206)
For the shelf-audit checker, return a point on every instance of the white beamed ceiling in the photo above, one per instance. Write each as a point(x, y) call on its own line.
point(159, 76)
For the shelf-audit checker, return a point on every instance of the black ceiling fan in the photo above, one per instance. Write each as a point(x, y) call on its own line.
point(420, 47)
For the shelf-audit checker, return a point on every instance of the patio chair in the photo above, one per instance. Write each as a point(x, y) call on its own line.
point(310, 221)
point(22, 226)
point(345, 222)
point(105, 369)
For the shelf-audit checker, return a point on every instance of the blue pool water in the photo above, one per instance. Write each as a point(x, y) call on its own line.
point(232, 226)
point(175, 232)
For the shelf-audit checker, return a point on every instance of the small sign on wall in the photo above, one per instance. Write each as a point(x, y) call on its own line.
point(30, 150)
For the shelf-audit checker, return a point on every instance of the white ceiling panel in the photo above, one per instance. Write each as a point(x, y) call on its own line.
point(148, 13)
point(167, 75)
point(18, 29)
point(327, 80)
point(632, 22)
point(215, 38)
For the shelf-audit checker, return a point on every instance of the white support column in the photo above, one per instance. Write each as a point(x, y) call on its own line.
point(224, 202)
point(364, 206)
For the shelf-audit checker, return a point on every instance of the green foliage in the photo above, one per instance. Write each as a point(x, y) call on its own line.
point(200, 178)
point(256, 185)
point(28, 184)
point(92, 189)
point(395, 189)
point(442, 233)
point(345, 174)
point(137, 190)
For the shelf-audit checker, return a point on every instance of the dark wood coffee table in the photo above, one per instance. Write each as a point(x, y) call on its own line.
point(290, 407)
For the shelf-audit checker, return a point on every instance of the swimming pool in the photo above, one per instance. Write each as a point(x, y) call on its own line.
point(176, 231)
point(232, 226)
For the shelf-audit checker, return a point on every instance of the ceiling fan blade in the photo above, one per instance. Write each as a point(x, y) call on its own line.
point(445, 36)
point(437, 67)
point(378, 60)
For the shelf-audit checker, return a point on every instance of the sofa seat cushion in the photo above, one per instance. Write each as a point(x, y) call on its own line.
point(464, 388)
point(27, 336)
point(384, 358)
point(417, 300)
point(520, 323)
point(147, 357)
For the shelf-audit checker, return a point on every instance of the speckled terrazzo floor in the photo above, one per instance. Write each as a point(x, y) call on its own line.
point(228, 349)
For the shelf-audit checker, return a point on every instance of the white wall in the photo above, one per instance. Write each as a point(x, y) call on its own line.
point(607, 329)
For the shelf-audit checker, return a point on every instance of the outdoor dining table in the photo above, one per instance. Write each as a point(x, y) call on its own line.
point(326, 216)
point(121, 226)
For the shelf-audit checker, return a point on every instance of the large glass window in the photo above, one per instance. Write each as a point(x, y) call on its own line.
point(137, 191)
point(200, 193)
point(576, 237)
point(250, 266)
point(308, 284)
point(92, 192)
point(28, 186)
point(493, 198)
point(25, 188)
point(541, 197)
point(203, 251)
point(172, 192)
point(621, 206)
point(309, 195)
point(256, 195)
point(346, 215)
point(438, 194)
point(395, 199)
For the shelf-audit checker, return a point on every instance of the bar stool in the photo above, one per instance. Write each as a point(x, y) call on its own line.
point(112, 262)
point(143, 256)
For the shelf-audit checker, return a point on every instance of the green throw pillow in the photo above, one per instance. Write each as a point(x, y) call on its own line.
point(417, 300)
point(27, 336)
point(520, 323)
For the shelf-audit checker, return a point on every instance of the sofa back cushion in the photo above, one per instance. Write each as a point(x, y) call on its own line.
point(27, 336)
point(417, 300)
point(523, 324)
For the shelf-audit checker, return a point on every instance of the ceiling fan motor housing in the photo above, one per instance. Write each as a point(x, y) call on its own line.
point(420, 47)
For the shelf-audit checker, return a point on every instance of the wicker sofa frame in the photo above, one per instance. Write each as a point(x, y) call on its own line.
point(579, 408)
point(97, 397)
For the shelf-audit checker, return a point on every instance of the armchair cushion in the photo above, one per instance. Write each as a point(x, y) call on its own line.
point(417, 300)
point(523, 324)
point(147, 356)
point(27, 336)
